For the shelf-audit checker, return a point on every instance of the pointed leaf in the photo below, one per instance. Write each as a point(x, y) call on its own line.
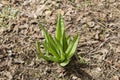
point(50, 41)
point(51, 51)
point(47, 51)
point(60, 29)
point(61, 53)
point(68, 40)
point(40, 54)
point(44, 31)
point(65, 45)
point(62, 32)
point(65, 63)
point(72, 47)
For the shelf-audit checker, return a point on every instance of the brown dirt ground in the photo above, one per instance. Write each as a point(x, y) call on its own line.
point(96, 21)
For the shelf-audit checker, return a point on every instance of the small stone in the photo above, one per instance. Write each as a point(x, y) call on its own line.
point(4, 2)
point(18, 61)
point(74, 77)
point(91, 24)
point(118, 49)
point(11, 54)
point(97, 35)
point(111, 1)
point(1, 5)
point(8, 74)
point(31, 64)
point(98, 69)
point(48, 12)
point(84, 20)
point(103, 0)
point(96, 72)
point(26, 3)
point(61, 75)
point(61, 11)
point(32, 15)
point(77, 1)
point(1, 56)
point(24, 26)
point(115, 78)
point(2, 29)
point(97, 27)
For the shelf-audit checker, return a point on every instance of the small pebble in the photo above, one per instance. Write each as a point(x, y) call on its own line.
point(74, 77)
point(91, 24)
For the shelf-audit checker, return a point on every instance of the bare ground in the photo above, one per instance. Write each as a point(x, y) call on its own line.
point(96, 21)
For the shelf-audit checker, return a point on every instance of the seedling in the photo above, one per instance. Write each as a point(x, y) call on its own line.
point(59, 48)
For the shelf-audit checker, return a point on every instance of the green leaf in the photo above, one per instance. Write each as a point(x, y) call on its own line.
point(51, 51)
point(40, 54)
point(61, 53)
point(47, 51)
point(68, 40)
point(62, 32)
point(60, 29)
point(50, 42)
point(44, 31)
point(72, 47)
point(58, 45)
point(65, 45)
point(64, 63)
point(59, 48)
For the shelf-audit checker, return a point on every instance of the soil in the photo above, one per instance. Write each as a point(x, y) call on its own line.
point(96, 21)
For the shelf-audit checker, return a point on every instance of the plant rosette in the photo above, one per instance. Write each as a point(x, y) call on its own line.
point(59, 48)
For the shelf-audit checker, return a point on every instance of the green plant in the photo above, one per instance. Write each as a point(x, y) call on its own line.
point(59, 48)
point(7, 16)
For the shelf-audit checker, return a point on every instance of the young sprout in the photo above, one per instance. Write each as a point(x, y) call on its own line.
point(59, 48)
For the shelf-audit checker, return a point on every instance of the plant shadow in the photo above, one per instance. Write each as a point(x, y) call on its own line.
point(77, 69)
